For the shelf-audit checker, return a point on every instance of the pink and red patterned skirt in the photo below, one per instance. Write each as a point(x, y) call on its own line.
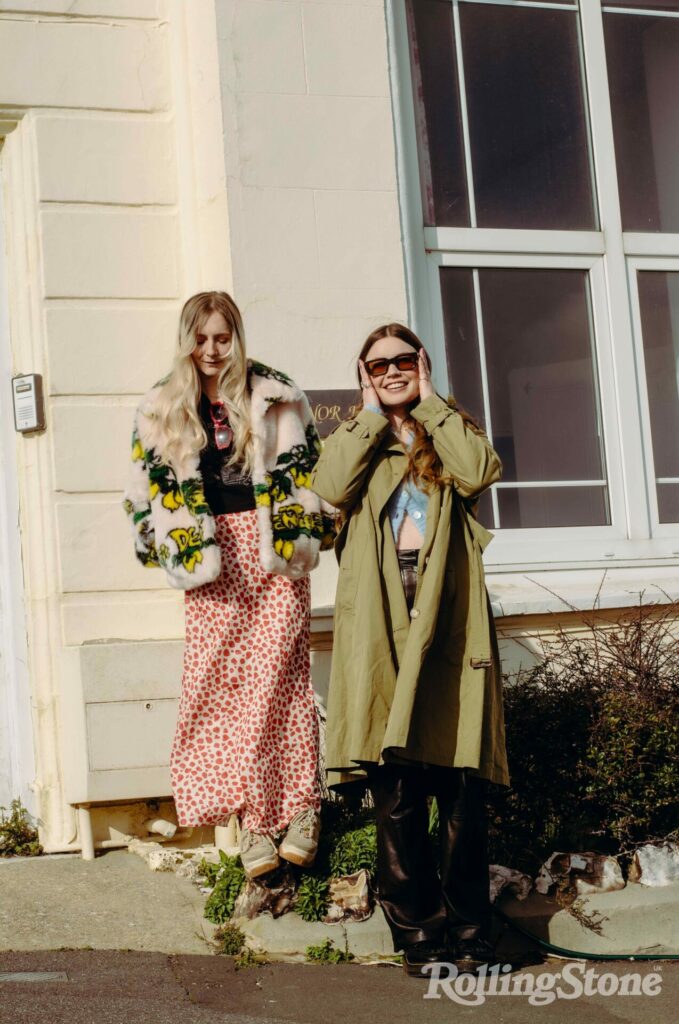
point(247, 734)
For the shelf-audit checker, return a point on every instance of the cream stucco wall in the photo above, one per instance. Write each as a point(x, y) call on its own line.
point(107, 232)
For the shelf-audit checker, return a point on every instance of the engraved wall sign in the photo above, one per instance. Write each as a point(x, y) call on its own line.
point(330, 408)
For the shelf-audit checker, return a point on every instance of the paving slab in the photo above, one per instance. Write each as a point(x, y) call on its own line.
point(116, 902)
point(112, 902)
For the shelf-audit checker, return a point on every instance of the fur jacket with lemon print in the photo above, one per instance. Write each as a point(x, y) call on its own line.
point(172, 523)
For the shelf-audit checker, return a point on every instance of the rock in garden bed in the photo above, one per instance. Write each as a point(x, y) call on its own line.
point(587, 872)
point(655, 864)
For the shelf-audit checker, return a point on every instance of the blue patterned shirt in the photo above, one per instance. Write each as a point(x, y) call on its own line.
point(407, 500)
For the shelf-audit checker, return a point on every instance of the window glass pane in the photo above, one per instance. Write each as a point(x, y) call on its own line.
point(544, 417)
point(642, 54)
point(668, 503)
point(533, 507)
point(462, 348)
point(527, 119)
point(437, 113)
point(659, 304)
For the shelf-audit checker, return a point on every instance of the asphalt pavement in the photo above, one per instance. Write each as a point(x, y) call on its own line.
point(114, 987)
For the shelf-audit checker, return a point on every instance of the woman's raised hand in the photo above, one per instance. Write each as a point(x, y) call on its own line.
point(369, 393)
point(426, 388)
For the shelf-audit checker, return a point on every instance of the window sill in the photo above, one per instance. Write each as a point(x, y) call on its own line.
point(562, 590)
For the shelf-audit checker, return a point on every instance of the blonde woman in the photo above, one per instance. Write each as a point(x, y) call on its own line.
point(219, 497)
point(415, 700)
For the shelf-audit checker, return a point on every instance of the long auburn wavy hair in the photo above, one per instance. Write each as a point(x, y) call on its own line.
point(424, 465)
point(180, 430)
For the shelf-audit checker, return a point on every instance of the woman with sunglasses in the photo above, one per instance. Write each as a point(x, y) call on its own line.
point(219, 497)
point(415, 700)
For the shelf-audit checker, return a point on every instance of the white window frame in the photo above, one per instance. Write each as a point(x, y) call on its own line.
point(634, 536)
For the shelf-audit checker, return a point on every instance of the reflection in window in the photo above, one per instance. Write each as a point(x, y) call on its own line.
point(527, 137)
point(642, 54)
point(527, 121)
point(659, 304)
point(439, 122)
point(533, 340)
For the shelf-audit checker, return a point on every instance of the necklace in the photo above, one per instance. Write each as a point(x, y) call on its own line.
point(220, 422)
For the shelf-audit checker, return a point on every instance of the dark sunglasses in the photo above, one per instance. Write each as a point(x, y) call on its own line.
point(406, 361)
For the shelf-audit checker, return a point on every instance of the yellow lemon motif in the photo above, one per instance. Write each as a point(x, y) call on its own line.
point(137, 451)
point(153, 490)
point(263, 498)
point(301, 478)
point(284, 548)
point(173, 499)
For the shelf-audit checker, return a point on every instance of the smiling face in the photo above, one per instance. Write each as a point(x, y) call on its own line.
point(213, 346)
point(396, 387)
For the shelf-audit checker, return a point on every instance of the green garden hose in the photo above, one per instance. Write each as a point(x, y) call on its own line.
point(575, 954)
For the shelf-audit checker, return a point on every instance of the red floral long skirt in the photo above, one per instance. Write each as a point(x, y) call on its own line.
point(247, 734)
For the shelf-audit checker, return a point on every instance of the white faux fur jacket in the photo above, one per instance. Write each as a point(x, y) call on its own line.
point(172, 523)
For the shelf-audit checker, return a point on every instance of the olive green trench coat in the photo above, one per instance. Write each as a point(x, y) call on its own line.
point(426, 685)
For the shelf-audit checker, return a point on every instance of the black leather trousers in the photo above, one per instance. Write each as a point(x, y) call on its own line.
point(423, 900)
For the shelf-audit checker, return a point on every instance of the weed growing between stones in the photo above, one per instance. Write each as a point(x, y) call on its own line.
point(230, 940)
point(328, 953)
point(18, 838)
point(229, 879)
point(248, 958)
point(313, 896)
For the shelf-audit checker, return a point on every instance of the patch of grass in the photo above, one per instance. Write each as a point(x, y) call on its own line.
point(230, 939)
point(248, 958)
point(18, 838)
point(328, 953)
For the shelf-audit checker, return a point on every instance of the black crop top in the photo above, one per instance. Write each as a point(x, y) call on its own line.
point(227, 488)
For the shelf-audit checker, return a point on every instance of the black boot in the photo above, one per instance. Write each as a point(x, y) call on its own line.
point(422, 954)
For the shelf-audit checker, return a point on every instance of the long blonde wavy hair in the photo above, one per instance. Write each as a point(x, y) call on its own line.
point(180, 431)
point(424, 465)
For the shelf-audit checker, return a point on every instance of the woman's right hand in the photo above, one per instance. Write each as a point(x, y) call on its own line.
point(367, 387)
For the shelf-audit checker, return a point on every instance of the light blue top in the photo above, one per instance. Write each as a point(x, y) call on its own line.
point(407, 500)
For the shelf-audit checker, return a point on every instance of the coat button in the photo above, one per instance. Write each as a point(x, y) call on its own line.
point(417, 515)
point(414, 612)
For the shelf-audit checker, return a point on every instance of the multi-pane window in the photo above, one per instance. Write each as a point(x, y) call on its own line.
point(547, 139)
point(497, 151)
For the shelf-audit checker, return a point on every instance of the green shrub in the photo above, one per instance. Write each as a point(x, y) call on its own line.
point(593, 741)
point(312, 898)
point(230, 879)
point(18, 838)
point(355, 850)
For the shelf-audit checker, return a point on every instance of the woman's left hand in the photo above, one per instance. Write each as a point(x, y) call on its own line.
point(426, 388)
